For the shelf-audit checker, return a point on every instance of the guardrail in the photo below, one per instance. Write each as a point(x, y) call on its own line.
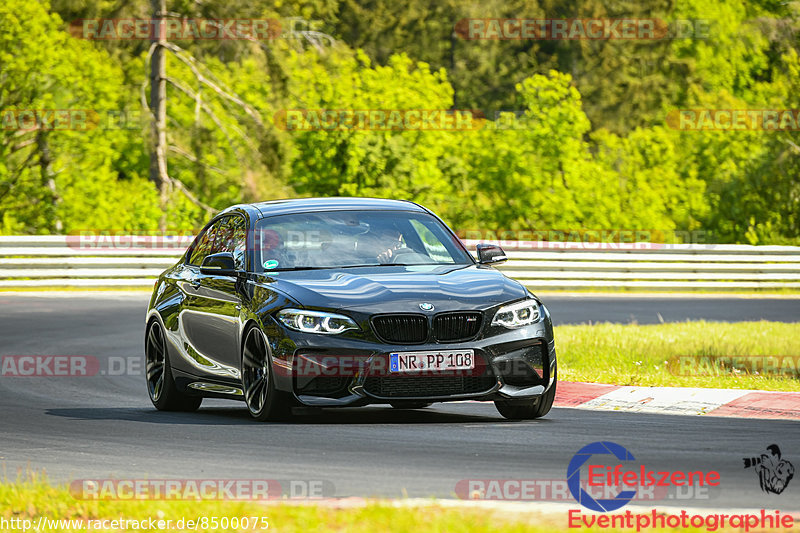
point(47, 261)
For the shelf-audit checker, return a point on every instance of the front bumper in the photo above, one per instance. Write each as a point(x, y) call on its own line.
point(328, 371)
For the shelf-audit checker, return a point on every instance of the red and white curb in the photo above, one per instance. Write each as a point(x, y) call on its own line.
point(679, 400)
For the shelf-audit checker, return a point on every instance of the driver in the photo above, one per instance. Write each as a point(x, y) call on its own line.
point(382, 244)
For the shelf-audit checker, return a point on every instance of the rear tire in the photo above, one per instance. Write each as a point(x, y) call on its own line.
point(158, 372)
point(528, 409)
point(263, 401)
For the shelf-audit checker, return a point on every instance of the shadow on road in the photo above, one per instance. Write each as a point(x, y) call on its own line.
point(238, 416)
point(151, 416)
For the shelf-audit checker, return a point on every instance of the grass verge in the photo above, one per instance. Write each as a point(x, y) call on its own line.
point(24, 502)
point(688, 354)
point(33, 497)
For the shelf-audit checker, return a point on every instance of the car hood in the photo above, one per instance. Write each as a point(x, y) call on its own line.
point(397, 288)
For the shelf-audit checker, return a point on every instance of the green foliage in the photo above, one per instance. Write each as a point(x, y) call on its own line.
point(365, 162)
point(575, 135)
point(44, 69)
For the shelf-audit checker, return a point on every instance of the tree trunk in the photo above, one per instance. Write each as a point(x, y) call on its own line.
point(158, 107)
point(49, 178)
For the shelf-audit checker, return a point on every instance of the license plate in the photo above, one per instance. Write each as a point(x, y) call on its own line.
point(433, 361)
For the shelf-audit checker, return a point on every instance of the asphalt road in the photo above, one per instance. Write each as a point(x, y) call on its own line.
point(104, 426)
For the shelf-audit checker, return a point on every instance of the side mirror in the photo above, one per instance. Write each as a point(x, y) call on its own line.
point(490, 254)
point(221, 264)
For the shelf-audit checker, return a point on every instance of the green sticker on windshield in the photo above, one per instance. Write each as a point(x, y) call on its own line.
point(270, 264)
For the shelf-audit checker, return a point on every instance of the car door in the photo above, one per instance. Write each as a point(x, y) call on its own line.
point(210, 318)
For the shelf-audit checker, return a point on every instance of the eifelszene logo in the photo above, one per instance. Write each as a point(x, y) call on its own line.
point(774, 473)
point(574, 476)
point(600, 475)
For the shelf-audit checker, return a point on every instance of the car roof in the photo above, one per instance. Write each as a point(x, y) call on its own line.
point(307, 205)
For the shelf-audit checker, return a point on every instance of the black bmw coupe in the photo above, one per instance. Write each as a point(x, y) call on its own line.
point(334, 302)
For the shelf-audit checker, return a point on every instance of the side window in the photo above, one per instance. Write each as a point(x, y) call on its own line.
point(205, 244)
point(231, 238)
point(433, 246)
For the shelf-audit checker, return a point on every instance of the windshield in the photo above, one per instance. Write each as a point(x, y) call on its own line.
point(338, 239)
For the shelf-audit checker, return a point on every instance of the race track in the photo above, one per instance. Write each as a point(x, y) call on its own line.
point(104, 426)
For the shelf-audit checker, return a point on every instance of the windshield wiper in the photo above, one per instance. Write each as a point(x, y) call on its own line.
point(363, 266)
point(392, 265)
point(289, 269)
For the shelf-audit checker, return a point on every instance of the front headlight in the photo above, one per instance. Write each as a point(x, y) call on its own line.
point(316, 321)
point(517, 315)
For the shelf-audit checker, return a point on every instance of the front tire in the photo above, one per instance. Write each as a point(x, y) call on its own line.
point(528, 409)
point(263, 401)
point(158, 371)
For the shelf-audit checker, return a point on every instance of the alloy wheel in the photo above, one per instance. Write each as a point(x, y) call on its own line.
point(154, 365)
point(255, 371)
